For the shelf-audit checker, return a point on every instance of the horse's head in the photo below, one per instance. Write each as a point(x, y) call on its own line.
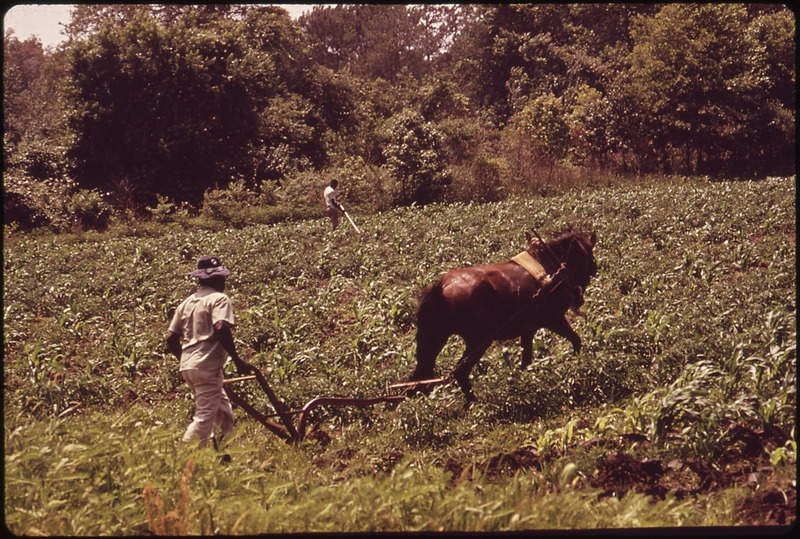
point(575, 251)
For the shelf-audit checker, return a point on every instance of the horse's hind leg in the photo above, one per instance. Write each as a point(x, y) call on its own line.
point(432, 331)
point(429, 344)
point(472, 355)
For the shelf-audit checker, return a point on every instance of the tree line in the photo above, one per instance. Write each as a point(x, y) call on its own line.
point(149, 106)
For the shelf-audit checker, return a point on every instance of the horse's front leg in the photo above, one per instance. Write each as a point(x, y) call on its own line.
point(526, 341)
point(560, 326)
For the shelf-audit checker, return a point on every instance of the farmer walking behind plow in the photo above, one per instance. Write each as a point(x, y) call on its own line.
point(200, 336)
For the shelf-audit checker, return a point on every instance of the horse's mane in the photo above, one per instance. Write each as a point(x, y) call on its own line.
point(537, 249)
point(561, 238)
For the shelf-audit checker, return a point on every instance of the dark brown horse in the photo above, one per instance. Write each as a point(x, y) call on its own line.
point(502, 301)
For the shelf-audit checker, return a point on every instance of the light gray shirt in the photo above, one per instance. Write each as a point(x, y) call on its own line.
point(194, 321)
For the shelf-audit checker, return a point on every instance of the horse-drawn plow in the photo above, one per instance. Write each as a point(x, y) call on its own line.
point(538, 286)
point(294, 432)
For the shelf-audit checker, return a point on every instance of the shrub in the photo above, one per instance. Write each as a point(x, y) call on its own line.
point(301, 194)
point(166, 211)
point(463, 138)
point(415, 159)
point(482, 180)
point(237, 206)
point(534, 143)
point(363, 185)
point(89, 211)
point(542, 121)
point(55, 204)
point(20, 210)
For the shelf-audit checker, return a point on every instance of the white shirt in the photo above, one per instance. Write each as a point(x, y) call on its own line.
point(330, 197)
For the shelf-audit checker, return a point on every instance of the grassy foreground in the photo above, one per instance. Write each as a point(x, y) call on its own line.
point(679, 410)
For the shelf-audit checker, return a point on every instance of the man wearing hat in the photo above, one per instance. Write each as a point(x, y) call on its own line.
point(200, 336)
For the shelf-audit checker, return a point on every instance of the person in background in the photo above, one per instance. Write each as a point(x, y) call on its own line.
point(200, 336)
point(331, 205)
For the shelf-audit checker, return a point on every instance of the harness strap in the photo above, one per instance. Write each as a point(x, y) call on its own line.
point(532, 266)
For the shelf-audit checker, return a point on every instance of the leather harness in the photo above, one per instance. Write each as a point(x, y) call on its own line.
point(532, 266)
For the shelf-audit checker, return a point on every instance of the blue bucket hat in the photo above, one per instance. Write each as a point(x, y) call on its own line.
point(209, 266)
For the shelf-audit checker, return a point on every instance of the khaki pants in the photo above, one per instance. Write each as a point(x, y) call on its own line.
point(212, 407)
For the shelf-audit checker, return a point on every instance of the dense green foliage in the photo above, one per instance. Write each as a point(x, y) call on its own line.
point(418, 103)
point(689, 335)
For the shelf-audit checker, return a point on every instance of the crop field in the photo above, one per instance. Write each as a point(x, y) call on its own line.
point(679, 410)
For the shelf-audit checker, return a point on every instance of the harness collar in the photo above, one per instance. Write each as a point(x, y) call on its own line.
point(532, 266)
point(535, 268)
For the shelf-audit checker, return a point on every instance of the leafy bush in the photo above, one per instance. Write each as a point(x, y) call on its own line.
point(237, 206)
point(462, 138)
point(56, 204)
point(363, 186)
point(21, 211)
point(89, 210)
point(482, 181)
point(301, 194)
point(37, 159)
point(543, 122)
point(414, 156)
point(166, 211)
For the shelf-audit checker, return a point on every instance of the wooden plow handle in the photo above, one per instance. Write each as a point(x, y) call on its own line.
point(287, 431)
point(281, 431)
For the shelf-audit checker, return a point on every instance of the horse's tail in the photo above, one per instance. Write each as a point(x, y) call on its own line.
point(431, 305)
point(432, 331)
